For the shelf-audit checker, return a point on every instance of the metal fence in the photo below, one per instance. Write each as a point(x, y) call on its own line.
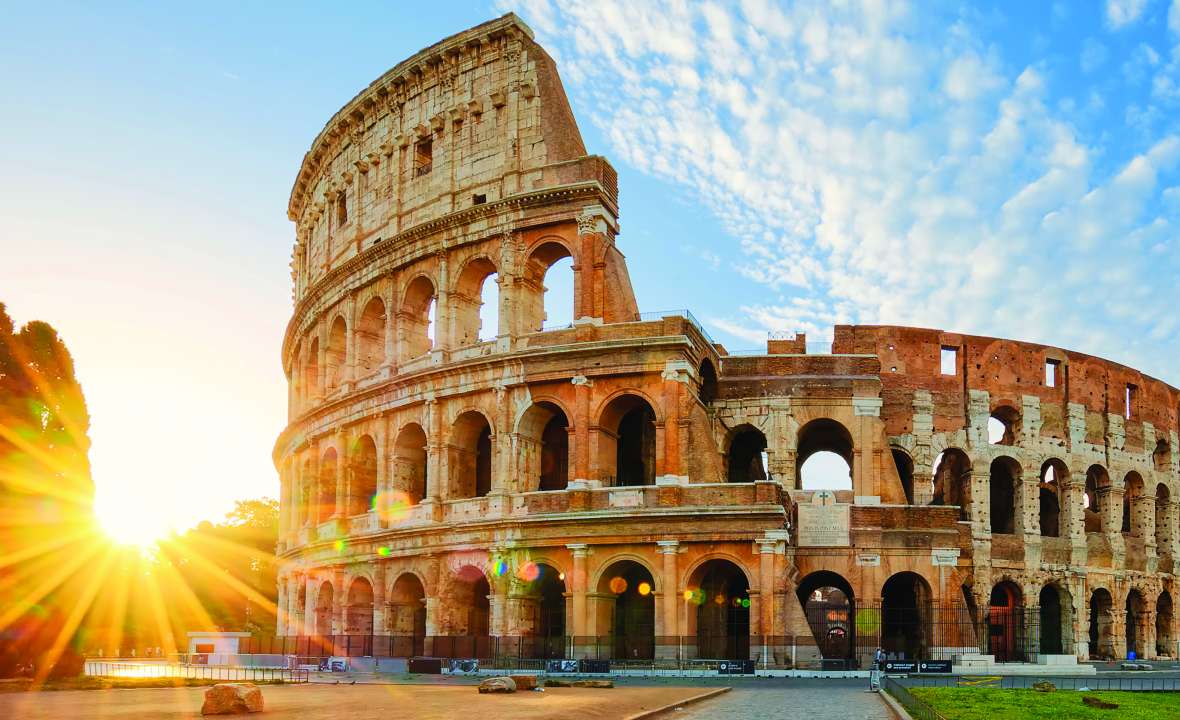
point(915, 707)
point(148, 669)
point(1132, 683)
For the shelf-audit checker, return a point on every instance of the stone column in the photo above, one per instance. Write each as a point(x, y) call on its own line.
point(390, 345)
point(339, 602)
point(435, 448)
point(341, 445)
point(766, 553)
point(578, 582)
point(670, 584)
point(282, 605)
point(580, 447)
point(380, 617)
point(1029, 516)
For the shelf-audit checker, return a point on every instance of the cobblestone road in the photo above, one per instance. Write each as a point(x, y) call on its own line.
point(813, 700)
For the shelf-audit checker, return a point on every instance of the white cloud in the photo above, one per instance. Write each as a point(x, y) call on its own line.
point(1120, 13)
point(1174, 17)
point(874, 168)
point(1093, 55)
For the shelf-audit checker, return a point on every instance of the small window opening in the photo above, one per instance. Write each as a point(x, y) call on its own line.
point(950, 361)
point(341, 210)
point(1052, 372)
point(479, 199)
point(1129, 401)
point(423, 157)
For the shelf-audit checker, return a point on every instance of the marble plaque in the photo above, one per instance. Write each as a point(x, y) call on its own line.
point(823, 523)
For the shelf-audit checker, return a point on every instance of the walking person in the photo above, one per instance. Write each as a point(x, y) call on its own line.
point(875, 670)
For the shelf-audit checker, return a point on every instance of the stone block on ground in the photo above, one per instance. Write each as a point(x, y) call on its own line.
point(558, 682)
point(232, 699)
point(594, 683)
point(497, 685)
point(1044, 686)
point(524, 682)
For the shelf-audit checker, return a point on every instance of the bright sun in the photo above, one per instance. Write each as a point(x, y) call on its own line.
point(130, 525)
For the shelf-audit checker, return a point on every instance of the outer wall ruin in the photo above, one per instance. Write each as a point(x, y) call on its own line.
point(622, 487)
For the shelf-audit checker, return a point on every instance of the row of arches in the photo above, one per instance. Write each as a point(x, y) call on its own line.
point(384, 333)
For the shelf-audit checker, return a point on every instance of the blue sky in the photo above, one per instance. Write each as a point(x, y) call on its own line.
point(1007, 169)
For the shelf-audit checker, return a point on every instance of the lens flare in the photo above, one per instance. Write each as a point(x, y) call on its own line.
point(383, 551)
point(392, 506)
point(501, 568)
point(340, 545)
point(529, 571)
point(719, 599)
point(618, 585)
point(644, 589)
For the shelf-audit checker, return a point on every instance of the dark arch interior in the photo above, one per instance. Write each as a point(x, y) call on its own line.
point(1049, 510)
point(1002, 492)
point(1009, 417)
point(830, 607)
point(1006, 623)
point(723, 612)
point(407, 616)
point(1135, 616)
point(744, 460)
point(359, 613)
point(633, 620)
point(471, 455)
point(1097, 485)
point(905, 473)
point(905, 616)
point(549, 589)
point(1049, 601)
point(1101, 624)
point(1164, 644)
point(708, 376)
point(952, 475)
point(628, 440)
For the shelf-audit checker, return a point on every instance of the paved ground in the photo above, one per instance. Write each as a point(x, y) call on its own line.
point(350, 702)
point(772, 699)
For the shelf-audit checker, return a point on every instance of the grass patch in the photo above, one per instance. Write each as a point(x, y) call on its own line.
point(993, 704)
point(114, 683)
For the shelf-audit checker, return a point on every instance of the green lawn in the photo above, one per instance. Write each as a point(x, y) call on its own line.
point(995, 704)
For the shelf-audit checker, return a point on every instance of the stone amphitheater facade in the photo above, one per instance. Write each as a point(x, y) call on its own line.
point(624, 487)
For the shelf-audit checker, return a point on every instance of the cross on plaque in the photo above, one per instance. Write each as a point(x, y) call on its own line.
point(824, 497)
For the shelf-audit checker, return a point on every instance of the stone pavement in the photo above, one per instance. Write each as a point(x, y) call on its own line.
point(809, 699)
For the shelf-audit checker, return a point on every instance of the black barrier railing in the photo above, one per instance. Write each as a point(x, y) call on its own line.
point(915, 707)
point(1132, 683)
point(149, 669)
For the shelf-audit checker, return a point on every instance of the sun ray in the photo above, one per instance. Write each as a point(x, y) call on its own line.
point(51, 582)
point(77, 613)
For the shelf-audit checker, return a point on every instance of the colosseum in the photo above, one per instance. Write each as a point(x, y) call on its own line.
point(620, 486)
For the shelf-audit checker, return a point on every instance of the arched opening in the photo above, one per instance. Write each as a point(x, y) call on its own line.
point(1003, 426)
point(1005, 474)
point(1053, 473)
point(470, 456)
point(472, 607)
point(627, 441)
point(1101, 625)
point(906, 617)
point(627, 606)
point(744, 461)
point(544, 434)
point(824, 458)
point(323, 610)
point(476, 303)
point(905, 473)
point(830, 608)
point(407, 616)
point(1135, 618)
point(416, 319)
point(721, 594)
point(1132, 491)
point(1097, 487)
point(548, 297)
point(1056, 620)
point(306, 512)
point(311, 370)
point(1165, 645)
point(546, 588)
point(1006, 623)
point(362, 483)
point(336, 355)
point(370, 338)
point(326, 494)
point(952, 481)
point(1163, 531)
point(298, 376)
point(707, 391)
point(1162, 456)
point(359, 614)
point(409, 465)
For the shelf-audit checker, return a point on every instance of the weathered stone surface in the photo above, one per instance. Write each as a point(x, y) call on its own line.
point(497, 685)
point(1044, 686)
point(232, 699)
point(558, 682)
point(594, 683)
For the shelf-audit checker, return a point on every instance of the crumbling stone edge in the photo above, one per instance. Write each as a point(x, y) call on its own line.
point(654, 712)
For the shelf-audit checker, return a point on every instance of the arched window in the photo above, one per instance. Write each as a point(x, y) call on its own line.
point(470, 456)
point(627, 441)
point(952, 481)
point(362, 485)
point(1136, 622)
point(370, 338)
point(1101, 625)
point(544, 434)
point(547, 301)
point(708, 378)
point(407, 616)
point(1133, 520)
point(1006, 623)
point(472, 605)
point(906, 615)
point(476, 303)
point(720, 593)
point(359, 613)
point(336, 357)
point(416, 319)
point(1164, 644)
point(824, 458)
point(324, 610)
point(830, 608)
point(1162, 456)
point(311, 369)
point(1005, 474)
point(1003, 426)
point(1097, 489)
point(307, 480)
point(1050, 493)
point(905, 473)
point(326, 503)
point(1163, 531)
point(632, 618)
point(1056, 616)
point(409, 465)
point(745, 461)
point(298, 377)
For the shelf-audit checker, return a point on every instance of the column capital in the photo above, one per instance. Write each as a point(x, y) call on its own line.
point(668, 546)
point(580, 550)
